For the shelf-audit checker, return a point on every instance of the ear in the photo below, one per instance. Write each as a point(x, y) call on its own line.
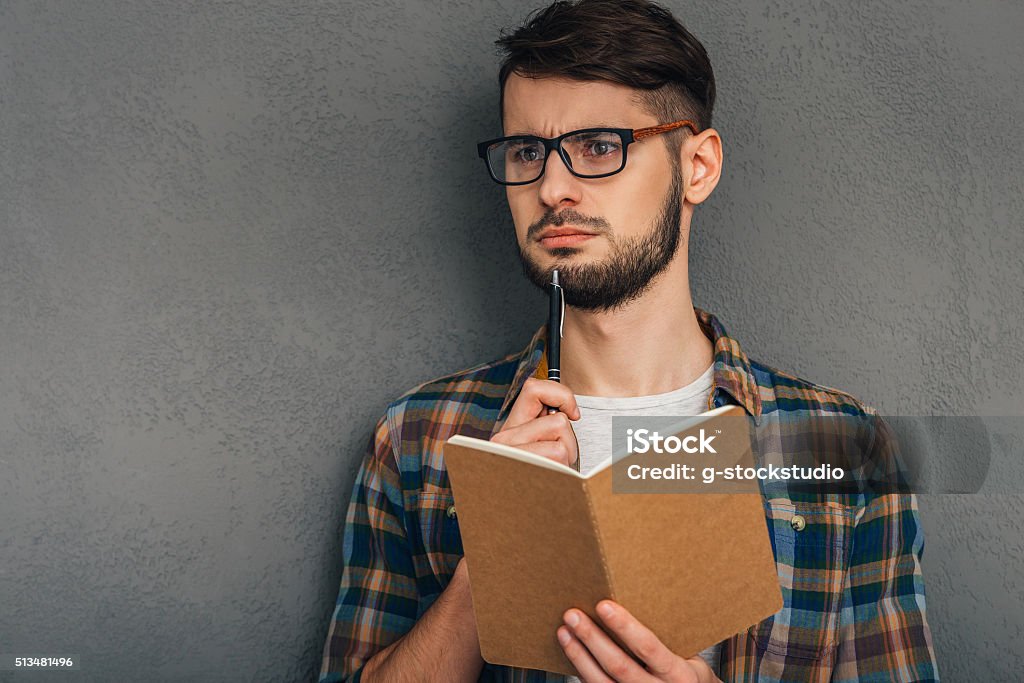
point(701, 156)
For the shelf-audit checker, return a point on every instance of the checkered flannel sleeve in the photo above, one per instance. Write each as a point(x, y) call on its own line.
point(377, 601)
point(884, 631)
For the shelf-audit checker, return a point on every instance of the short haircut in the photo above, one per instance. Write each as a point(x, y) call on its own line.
point(635, 43)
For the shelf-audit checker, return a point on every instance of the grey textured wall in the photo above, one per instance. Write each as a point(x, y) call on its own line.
point(231, 232)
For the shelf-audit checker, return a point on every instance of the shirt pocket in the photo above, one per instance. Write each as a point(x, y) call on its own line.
point(438, 526)
point(811, 542)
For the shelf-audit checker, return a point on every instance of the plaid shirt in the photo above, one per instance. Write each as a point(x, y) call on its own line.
point(854, 599)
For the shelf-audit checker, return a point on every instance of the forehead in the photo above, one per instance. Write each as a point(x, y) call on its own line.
point(553, 105)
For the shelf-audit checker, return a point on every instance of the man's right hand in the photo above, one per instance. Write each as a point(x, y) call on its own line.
point(449, 626)
point(531, 428)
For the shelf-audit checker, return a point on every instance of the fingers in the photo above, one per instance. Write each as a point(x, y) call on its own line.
point(703, 672)
point(536, 396)
point(659, 660)
point(588, 669)
point(549, 435)
point(598, 657)
point(552, 450)
point(591, 647)
point(529, 426)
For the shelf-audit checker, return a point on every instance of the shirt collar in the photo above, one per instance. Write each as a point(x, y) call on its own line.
point(733, 380)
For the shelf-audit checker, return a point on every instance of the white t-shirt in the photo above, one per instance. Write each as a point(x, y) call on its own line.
point(594, 434)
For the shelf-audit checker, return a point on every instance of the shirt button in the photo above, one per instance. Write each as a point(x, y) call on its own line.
point(798, 523)
point(451, 512)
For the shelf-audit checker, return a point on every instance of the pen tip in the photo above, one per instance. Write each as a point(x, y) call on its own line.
point(554, 276)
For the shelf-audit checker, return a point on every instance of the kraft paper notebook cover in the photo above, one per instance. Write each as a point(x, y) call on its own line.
point(696, 568)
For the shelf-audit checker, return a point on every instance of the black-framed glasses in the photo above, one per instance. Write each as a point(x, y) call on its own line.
point(587, 153)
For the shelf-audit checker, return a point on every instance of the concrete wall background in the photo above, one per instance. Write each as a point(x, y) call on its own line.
point(220, 257)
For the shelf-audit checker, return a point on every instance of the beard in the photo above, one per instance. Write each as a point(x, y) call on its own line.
point(626, 273)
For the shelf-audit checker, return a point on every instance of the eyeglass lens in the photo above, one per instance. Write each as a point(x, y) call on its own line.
point(521, 160)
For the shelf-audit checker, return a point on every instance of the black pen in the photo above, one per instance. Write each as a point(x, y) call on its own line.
point(556, 315)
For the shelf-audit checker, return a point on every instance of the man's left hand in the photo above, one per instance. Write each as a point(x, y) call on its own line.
point(598, 659)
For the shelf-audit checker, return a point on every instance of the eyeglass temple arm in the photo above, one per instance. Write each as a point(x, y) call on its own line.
point(641, 133)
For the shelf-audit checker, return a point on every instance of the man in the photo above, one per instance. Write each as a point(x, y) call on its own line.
point(611, 208)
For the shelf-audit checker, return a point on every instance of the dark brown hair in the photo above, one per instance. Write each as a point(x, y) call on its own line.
point(635, 43)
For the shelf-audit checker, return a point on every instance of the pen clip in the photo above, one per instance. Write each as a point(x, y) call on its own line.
point(556, 287)
point(561, 317)
point(561, 314)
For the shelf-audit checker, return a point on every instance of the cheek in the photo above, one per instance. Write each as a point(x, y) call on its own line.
point(625, 209)
point(639, 205)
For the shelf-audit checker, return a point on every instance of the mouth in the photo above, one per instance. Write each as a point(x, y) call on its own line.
point(563, 237)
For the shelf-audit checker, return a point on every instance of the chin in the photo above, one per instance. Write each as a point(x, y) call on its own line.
point(564, 253)
point(577, 254)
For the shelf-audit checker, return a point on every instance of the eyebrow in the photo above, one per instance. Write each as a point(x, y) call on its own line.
point(568, 130)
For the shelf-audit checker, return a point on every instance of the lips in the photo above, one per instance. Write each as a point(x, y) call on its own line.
point(563, 237)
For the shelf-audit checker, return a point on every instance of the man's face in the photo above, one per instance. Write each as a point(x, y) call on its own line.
point(609, 236)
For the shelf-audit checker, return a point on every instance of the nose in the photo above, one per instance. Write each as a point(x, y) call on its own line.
point(558, 186)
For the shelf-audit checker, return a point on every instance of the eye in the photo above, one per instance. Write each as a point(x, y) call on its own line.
point(594, 145)
point(525, 152)
point(528, 154)
point(600, 148)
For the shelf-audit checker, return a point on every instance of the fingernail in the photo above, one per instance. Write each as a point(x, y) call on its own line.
point(572, 618)
point(605, 609)
point(563, 636)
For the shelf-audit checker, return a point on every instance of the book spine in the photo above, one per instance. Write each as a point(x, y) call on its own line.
point(605, 568)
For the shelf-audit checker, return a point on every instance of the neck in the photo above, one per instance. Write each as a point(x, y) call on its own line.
point(652, 345)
